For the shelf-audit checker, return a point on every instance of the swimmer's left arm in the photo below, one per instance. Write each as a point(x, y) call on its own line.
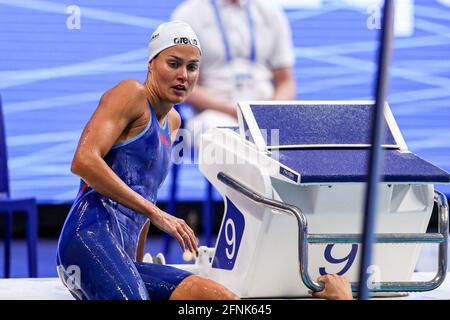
point(141, 242)
point(174, 124)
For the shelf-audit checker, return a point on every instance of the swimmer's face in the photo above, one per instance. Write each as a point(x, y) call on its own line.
point(175, 72)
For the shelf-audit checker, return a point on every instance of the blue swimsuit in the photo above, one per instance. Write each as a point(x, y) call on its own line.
point(96, 253)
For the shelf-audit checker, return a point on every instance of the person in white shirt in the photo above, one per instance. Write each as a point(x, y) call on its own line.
point(248, 55)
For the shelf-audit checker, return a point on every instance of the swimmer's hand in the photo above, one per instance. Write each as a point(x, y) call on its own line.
point(336, 288)
point(177, 228)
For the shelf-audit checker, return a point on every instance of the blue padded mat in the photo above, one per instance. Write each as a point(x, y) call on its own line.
point(350, 165)
point(317, 124)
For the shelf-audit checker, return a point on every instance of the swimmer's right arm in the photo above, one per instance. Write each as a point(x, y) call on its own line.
point(116, 110)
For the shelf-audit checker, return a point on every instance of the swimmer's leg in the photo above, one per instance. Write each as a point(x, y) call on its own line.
point(199, 288)
point(160, 280)
point(165, 282)
point(106, 272)
point(90, 245)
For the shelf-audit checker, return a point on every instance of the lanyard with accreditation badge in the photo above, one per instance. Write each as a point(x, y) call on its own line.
point(239, 77)
point(229, 55)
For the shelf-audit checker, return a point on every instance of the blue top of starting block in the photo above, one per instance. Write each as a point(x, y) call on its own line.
point(316, 124)
point(350, 165)
point(328, 142)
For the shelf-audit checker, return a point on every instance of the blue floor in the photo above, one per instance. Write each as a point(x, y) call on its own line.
point(47, 256)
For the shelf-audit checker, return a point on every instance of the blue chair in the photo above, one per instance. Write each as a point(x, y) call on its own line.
point(8, 206)
point(208, 203)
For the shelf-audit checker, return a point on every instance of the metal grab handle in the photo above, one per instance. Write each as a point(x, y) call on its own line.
point(304, 239)
point(380, 238)
point(280, 206)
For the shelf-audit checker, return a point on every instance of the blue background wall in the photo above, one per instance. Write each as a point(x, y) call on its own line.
point(52, 76)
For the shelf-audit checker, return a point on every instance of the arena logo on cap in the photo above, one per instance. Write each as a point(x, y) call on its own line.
point(155, 36)
point(185, 40)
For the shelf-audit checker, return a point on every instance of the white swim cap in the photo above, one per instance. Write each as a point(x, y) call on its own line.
point(170, 34)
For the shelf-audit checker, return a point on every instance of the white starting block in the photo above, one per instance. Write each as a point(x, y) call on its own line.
point(293, 177)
